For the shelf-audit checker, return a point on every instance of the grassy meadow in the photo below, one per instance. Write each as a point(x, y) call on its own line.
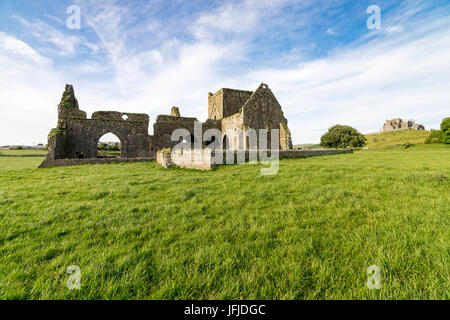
point(395, 138)
point(138, 231)
point(25, 153)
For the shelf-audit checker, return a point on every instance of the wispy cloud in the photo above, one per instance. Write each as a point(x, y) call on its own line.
point(58, 20)
point(63, 43)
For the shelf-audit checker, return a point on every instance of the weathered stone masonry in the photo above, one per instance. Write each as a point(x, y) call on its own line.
point(76, 136)
point(233, 113)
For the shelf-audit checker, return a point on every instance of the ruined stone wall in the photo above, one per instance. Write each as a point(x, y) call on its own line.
point(211, 124)
point(77, 137)
point(226, 102)
point(152, 142)
point(166, 125)
point(56, 144)
point(232, 132)
point(234, 100)
point(215, 105)
point(285, 137)
point(205, 159)
point(263, 111)
point(199, 159)
point(163, 157)
point(232, 112)
point(83, 135)
point(68, 107)
point(215, 140)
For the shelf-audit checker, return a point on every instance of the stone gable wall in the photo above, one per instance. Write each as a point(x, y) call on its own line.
point(263, 111)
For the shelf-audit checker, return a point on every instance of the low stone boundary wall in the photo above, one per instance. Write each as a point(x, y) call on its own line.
point(312, 153)
point(199, 159)
point(196, 159)
point(205, 159)
point(76, 162)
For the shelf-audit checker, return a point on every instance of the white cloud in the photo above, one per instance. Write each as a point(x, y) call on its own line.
point(64, 44)
point(58, 20)
point(17, 49)
point(330, 31)
point(226, 18)
point(238, 17)
point(364, 86)
point(28, 97)
point(394, 29)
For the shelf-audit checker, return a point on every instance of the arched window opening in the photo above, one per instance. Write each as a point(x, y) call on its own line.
point(109, 147)
point(225, 143)
point(210, 142)
point(188, 141)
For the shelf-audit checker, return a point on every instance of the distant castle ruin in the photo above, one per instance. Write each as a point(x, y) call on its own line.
point(399, 124)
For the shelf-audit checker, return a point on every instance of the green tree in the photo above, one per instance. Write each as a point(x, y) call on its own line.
point(445, 131)
point(342, 137)
point(434, 137)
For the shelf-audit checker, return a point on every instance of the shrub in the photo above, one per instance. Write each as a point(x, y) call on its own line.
point(108, 146)
point(435, 140)
point(434, 137)
point(407, 145)
point(445, 131)
point(342, 137)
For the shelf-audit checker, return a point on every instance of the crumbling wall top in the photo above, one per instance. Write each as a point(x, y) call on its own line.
point(120, 116)
point(68, 107)
point(175, 112)
point(171, 119)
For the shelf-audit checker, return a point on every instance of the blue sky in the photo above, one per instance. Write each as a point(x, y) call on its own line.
point(320, 59)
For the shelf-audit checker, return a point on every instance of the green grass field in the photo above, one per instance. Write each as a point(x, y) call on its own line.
point(138, 231)
point(30, 152)
point(395, 138)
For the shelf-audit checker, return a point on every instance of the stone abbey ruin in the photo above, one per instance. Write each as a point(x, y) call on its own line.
point(399, 124)
point(233, 113)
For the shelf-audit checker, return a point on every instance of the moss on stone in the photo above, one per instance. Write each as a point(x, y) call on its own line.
point(166, 151)
point(68, 99)
point(54, 132)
